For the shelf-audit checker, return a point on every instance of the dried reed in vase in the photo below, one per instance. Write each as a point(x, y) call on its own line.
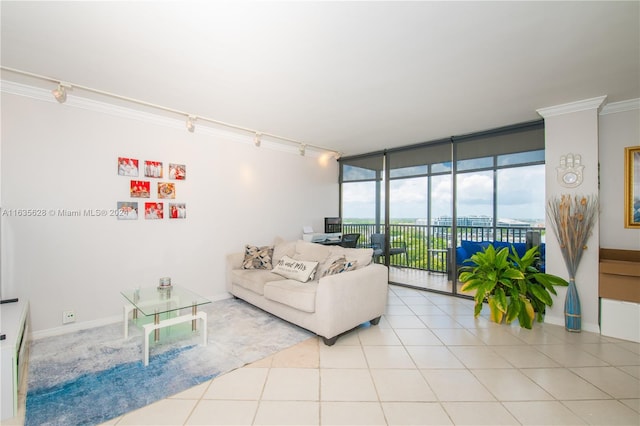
point(572, 220)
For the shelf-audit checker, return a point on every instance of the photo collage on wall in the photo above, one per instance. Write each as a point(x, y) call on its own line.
point(152, 188)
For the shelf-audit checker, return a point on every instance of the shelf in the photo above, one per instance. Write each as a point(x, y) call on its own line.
point(619, 277)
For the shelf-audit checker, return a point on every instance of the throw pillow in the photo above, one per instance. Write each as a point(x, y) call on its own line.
point(324, 266)
point(257, 257)
point(362, 255)
point(341, 265)
point(299, 270)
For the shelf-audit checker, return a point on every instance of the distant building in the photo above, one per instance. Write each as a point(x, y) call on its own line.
point(476, 221)
point(512, 223)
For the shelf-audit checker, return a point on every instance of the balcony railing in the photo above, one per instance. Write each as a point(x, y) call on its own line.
point(428, 245)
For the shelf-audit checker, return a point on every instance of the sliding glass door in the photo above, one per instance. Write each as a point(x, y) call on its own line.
point(362, 197)
point(419, 192)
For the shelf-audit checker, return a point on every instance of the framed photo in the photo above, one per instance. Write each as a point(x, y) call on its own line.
point(153, 211)
point(177, 211)
point(127, 210)
point(140, 189)
point(153, 169)
point(166, 190)
point(632, 187)
point(177, 171)
point(127, 166)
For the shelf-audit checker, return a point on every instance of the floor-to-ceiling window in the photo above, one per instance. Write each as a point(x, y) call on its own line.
point(362, 199)
point(419, 190)
point(481, 187)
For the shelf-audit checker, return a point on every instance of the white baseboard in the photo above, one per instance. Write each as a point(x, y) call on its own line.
point(71, 328)
point(594, 328)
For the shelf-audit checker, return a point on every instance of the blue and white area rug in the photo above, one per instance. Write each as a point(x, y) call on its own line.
point(91, 376)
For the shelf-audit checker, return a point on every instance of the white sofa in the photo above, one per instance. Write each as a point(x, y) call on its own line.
point(327, 305)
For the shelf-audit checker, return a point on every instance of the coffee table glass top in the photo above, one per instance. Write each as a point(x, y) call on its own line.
point(152, 300)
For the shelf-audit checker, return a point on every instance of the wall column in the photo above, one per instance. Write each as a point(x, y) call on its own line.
point(573, 129)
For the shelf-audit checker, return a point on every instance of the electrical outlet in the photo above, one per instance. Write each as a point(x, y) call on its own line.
point(68, 316)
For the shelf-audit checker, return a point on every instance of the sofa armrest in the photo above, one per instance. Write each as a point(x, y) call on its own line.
point(350, 298)
point(234, 261)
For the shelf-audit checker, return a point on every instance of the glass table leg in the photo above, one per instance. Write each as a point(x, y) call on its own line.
point(194, 312)
point(156, 320)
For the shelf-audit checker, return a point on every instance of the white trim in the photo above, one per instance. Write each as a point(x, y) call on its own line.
point(73, 327)
point(587, 104)
point(593, 328)
point(202, 128)
point(622, 106)
point(27, 91)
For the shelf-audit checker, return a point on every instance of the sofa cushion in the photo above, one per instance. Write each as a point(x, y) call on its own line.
point(300, 270)
point(293, 293)
point(283, 248)
point(257, 257)
point(499, 245)
point(253, 279)
point(311, 251)
point(470, 247)
point(521, 248)
point(462, 257)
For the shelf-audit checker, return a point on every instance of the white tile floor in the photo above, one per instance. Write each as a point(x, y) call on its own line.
point(428, 362)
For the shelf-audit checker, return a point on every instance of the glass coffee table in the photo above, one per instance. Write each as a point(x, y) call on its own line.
point(164, 305)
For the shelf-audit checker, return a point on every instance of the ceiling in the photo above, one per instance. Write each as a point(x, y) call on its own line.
point(354, 77)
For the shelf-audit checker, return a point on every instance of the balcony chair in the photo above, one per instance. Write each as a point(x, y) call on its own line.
point(397, 247)
point(350, 240)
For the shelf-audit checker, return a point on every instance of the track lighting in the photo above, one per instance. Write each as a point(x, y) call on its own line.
point(60, 93)
point(191, 123)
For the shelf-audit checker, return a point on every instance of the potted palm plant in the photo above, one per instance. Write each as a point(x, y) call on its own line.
point(512, 285)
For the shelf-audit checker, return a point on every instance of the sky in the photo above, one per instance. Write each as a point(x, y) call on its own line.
point(520, 195)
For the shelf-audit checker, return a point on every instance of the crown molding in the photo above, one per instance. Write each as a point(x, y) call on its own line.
point(622, 106)
point(584, 105)
point(220, 133)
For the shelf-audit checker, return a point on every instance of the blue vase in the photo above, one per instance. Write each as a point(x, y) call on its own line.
point(572, 312)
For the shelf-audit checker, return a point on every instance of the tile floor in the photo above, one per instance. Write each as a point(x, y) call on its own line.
point(428, 362)
point(421, 279)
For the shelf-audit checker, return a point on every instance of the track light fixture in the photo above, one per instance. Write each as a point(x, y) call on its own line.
point(191, 123)
point(60, 93)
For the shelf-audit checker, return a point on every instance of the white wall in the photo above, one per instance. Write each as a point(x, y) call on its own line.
point(61, 157)
point(600, 139)
point(617, 131)
point(573, 128)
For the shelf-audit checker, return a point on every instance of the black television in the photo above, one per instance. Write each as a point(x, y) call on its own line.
point(332, 224)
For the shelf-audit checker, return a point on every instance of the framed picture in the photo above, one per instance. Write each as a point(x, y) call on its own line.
point(127, 167)
point(632, 187)
point(140, 189)
point(127, 210)
point(166, 190)
point(177, 171)
point(153, 211)
point(177, 211)
point(153, 169)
